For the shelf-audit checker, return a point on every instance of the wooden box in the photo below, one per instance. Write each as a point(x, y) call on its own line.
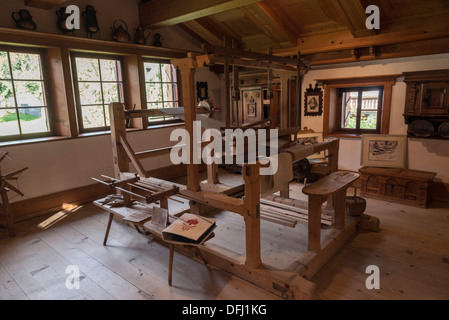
point(404, 186)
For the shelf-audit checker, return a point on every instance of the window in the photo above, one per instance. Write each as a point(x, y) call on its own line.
point(23, 103)
point(356, 106)
point(161, 86)
point(98, 82)
point(361, 109)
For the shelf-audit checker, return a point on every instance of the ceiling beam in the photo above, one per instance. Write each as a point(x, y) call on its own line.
point(202, 32)
point(344, 40)
point(273, 12)
point(163, 13)
point(221, 31)
point(390, 51)
point(271, 29)
point(349, 13)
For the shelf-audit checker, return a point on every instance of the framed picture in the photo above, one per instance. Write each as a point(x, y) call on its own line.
point(313, 101)
point(308, 139)
point(389, 151)
point(202, 93)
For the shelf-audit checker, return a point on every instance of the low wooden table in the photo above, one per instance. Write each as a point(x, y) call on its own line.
point(410, 187)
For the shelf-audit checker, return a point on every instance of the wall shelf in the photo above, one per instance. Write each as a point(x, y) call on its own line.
point(44, 4)
point(45, 40)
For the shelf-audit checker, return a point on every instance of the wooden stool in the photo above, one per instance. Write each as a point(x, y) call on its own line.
point(335, 185)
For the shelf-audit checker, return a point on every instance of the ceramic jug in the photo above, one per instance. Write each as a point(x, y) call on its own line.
point(24, 20)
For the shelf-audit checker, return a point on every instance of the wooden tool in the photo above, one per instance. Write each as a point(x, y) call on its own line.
point(5, 187)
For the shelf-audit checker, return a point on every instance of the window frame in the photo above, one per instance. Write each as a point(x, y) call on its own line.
point(178, 86)
point(47, 96)
point(360, 91)
point(73, 56)
point(331, 103)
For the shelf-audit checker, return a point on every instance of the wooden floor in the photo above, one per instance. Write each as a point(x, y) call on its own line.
point(412, 252)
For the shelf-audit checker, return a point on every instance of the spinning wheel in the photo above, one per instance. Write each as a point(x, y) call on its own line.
point(7, 185)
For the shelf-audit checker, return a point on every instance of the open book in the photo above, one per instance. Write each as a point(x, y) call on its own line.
point(189, 229)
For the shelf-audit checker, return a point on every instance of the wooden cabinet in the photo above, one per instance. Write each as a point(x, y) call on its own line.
point(427, 104)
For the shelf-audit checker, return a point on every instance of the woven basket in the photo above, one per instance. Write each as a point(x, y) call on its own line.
point(355, 206)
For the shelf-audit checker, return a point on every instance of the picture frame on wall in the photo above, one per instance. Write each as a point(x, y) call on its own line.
point(384, 151)
point(313, 101)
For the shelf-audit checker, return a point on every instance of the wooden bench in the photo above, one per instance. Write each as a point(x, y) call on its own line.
point(333, 187)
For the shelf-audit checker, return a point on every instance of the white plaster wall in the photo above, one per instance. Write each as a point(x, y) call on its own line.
point(71, 163)
point(427, 155)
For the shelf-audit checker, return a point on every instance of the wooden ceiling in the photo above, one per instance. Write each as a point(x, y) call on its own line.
point(324, 31)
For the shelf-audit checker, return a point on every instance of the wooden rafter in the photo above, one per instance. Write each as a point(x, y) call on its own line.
point(344, 40)
point(350, 13)
point(203, 32)
point(271, 30)
point(163, 13)
point(220, 30)
point(272, 10)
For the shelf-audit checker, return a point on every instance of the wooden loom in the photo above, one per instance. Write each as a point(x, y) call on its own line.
point(291, 282)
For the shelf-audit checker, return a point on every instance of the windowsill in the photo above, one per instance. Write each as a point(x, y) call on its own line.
point(166, 125)
point(31, 141)
point(82, 135)
point(343, 135)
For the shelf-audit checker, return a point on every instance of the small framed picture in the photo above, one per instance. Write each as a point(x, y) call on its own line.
point(313, 101)
point(387, 151)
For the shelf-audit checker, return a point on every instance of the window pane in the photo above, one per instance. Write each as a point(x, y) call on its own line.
point(93, 116)
point(152, 72)
point(108, 70)
point(4, 66)
point(370, 107)
point(90, 93)
point(33, 120)
point(26, 66)
point(9, 125)
point(29, 93)
point(168, 73)
point(110, 93)
point(106, 113)
point(155, 106)
point(87, 69)
point(170, 92)
point(6, 95)
point(171, 104)
point(349, 110)
point(154, 92)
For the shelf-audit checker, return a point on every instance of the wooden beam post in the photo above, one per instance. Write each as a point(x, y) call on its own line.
point(118, 129)
point(252, 214)
point(187, 68)
point(120, 158)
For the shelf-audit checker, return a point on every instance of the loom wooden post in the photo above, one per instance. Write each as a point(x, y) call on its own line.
point(252, 215)
point(187, 68)
point(118, 129)
point(285, 191)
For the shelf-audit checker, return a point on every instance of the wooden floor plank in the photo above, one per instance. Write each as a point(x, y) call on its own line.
point(412, 252)
point(112, 283)
point(9, 289)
